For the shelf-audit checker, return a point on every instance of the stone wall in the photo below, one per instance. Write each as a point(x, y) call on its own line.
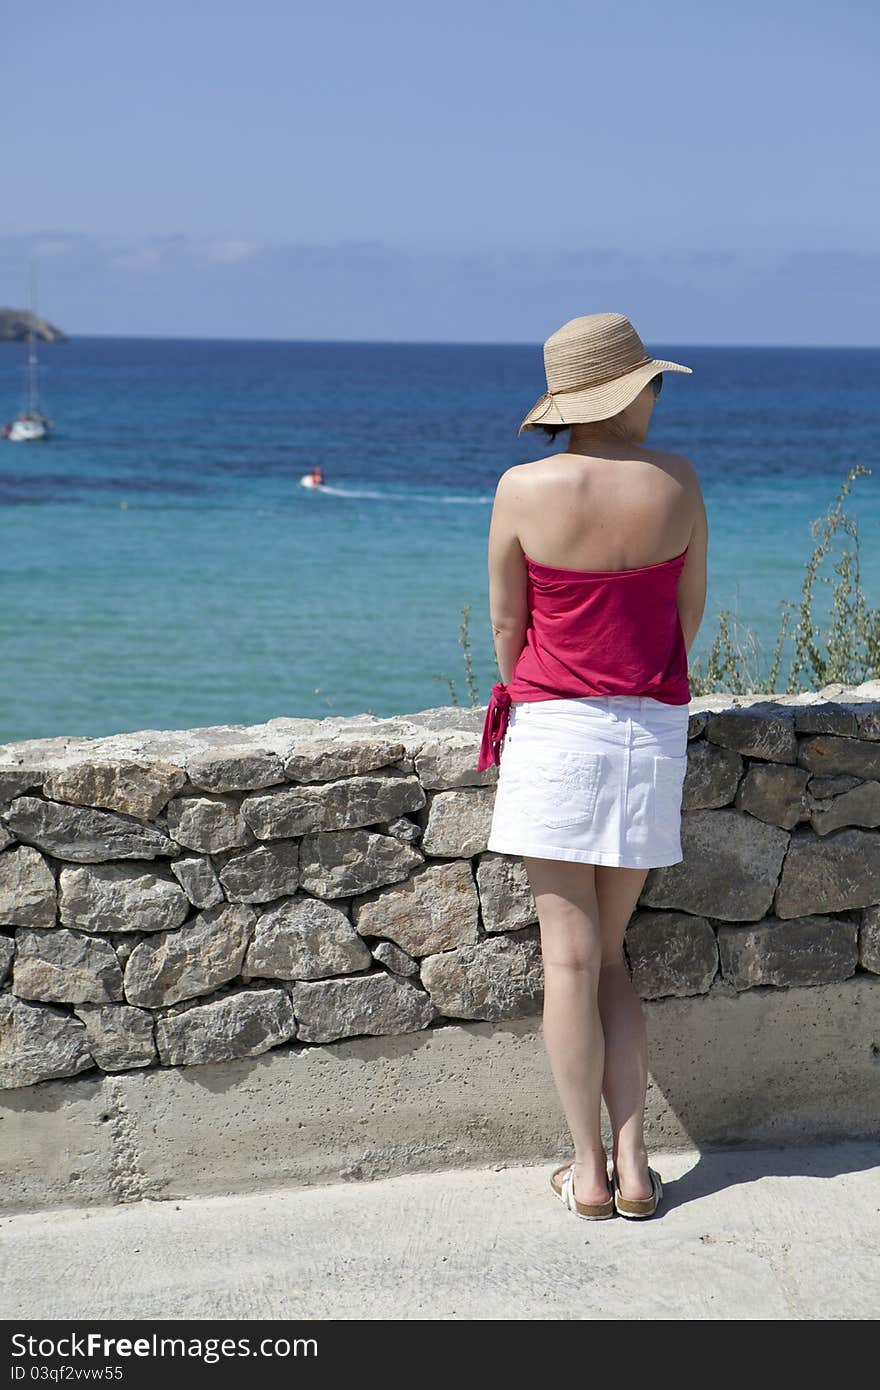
point(169, 899)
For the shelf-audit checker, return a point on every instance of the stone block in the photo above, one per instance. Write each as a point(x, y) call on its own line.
point(449, 760)
point(506, 897)
point(712, 776)
point(323, 758)
point(828, 718)
point(458, 822)
point(232, 769)
point(340, 863)
point(193, 960)
point(38, 1042)
point(671, 953)
point(827, 754)
point(208, 824)
point(263, 873)
point(83, 834)
point(136, 788)
point(811, 950)
point(860, 806)
point(765, 730)
point(302, 938)
point(730, 868)
point(118, 1036)
point(376, 1003)
point(869, 939)
point(347, 804)
point(198, 878)
point(244, 1023)
point(433, 909)
point(27, 889)
point(395, 960)
point(829, 873)
point(500, 977)
point(127, 897)
point(65, 967)
point(775, 794)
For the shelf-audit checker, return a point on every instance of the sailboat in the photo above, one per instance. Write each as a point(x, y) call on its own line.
point(31, 422)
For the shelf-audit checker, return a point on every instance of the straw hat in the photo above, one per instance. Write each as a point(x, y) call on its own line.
point(595, 365)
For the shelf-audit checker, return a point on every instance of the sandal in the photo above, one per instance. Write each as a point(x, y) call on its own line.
point(637, 1207)
point(564, 1189)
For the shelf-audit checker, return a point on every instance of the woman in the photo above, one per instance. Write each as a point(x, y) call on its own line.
point(597, 585)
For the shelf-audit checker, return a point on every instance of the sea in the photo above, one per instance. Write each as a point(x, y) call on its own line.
point(163, 568)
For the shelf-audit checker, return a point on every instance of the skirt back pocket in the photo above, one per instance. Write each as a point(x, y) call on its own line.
point(565, 786)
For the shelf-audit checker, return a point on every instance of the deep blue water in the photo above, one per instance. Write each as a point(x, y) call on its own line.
point(162, 568)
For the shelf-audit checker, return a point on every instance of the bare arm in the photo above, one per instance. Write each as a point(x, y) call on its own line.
point(692, 581)
point(508, 577)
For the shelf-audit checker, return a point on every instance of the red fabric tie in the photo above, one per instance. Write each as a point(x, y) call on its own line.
point(494, 726)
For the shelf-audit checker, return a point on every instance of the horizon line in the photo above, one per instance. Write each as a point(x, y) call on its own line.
point(424, 342)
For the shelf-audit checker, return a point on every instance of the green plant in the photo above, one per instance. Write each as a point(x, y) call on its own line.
point(851, 641)
point(470, 679)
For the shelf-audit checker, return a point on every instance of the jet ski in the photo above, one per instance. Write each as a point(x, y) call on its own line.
point(313, 479)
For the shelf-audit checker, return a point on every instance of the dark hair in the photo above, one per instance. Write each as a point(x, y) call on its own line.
point(552, 431)
point(611, 422)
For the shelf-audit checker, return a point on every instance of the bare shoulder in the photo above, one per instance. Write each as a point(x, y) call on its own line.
point(676, 463)
point(519, 472)
point(514, 480)
point(680, 467)
point(520, 479)
point(683, 469)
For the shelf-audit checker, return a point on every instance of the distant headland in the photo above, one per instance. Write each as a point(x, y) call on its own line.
point(15, 324)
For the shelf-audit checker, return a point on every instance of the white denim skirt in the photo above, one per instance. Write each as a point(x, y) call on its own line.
point(596, 779)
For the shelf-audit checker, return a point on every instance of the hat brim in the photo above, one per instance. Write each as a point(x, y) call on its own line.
point(596, 402)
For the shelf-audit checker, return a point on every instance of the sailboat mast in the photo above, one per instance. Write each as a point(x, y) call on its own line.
point(32, 366)
point(31, 422)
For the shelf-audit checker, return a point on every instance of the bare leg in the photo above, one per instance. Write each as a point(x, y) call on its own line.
point(568, 914)
point(625, 1079)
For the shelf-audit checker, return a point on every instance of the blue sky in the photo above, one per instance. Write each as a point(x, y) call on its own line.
point(467, 171)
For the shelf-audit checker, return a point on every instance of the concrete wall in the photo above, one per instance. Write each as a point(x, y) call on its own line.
point(768, 1067)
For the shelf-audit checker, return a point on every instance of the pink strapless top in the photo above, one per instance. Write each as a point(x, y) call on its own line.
point(595, 632)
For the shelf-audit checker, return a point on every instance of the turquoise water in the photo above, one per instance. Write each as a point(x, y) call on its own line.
point(162, 568)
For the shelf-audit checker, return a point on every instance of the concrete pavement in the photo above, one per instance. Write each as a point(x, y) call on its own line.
point(744, 1234)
